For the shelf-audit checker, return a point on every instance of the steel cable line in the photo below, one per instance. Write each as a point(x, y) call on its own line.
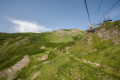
point(98, 9)
point(87, 11)
point(111, 8)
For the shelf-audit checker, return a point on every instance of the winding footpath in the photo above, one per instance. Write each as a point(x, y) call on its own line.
point(97, 64)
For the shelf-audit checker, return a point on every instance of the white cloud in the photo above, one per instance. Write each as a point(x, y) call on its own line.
point(25, 26)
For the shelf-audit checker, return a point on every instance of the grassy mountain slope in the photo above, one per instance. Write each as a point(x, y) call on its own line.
point(63, 54)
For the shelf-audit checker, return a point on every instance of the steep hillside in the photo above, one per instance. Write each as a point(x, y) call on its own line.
point(62, 55)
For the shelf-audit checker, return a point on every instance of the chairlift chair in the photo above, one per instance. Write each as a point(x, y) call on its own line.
point(107, 19)
point(91, 29)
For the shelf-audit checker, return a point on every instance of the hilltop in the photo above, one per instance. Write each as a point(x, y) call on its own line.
point(66, 54)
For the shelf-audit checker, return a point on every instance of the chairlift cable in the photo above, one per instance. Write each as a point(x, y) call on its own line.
point(111, 7)
point(87, 11)
point(98, 9)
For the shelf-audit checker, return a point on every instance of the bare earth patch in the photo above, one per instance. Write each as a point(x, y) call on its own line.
point(10, 73)
point(34, 75)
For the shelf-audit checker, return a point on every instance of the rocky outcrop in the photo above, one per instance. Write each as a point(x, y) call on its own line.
point(10, 73)
point(112, 33)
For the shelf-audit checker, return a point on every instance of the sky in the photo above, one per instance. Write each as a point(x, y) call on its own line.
point(47, 15)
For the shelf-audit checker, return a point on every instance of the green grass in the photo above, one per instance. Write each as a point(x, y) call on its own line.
point(62, 64)
point(108, 25)
point(101, 51)
point(59, 39)
point(66, 29)
point(67, 68)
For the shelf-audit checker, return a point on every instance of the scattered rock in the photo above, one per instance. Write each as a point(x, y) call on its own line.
point(95, 49)
point(62, 50)
point(55, 49)
point(42, 47)
point(68, 48)
point(67, 52)
point(44, 57)
point(48, 52)
point(55, 75)
point(46, 62)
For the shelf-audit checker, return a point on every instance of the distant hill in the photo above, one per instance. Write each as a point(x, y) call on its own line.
point(66, 54)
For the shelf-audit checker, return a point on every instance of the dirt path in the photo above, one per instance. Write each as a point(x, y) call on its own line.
point(97, 64)
point(10, 73)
